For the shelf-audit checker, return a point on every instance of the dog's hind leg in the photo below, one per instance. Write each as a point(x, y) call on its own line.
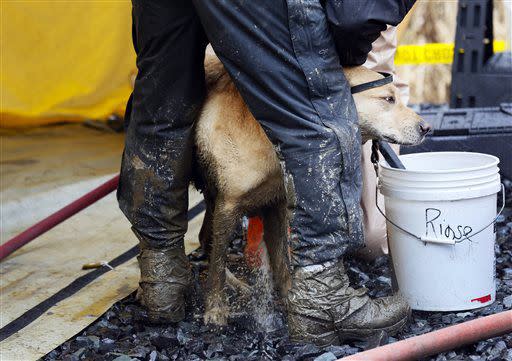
point(224, 222)
point(276, 240)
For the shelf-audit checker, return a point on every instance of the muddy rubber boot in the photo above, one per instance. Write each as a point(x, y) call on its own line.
point(165, 278)
point(325, 310)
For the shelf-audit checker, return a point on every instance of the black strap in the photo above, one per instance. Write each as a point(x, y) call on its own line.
point(388, 78)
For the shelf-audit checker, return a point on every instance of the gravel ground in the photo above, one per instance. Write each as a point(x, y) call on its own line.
point(121, 333)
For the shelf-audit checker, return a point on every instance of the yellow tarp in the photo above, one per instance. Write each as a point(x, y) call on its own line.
point(64, 60)
point(70, 60)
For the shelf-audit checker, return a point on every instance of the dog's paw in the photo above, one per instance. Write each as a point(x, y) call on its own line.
point(217, 316)
point(216, 309)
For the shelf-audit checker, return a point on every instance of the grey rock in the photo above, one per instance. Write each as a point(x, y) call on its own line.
point(213, 349)
point(78, 353)
point(507, 273)
point(95, 340)
point(153, 355)
point(139, 352)
point(123, 358)
point(507, 301)
point(482, 346)
point(83, 341)
point(446, 319)
point(507, 356)
point(338, 351)
point(352, 350)
point(307, 350)
point(194, 357)
point(71, 357)
point(328, 356)
point(106, 345)
point(498, 349)
point(164, 340)
point(161, 357)
point(182, 337)
point(464, 314)
point(288, 358)
point(451, 355)
point(363, 277)
point(385, 280)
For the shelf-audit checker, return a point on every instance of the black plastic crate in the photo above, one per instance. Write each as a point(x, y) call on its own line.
point(484, 130)
point(480, 77)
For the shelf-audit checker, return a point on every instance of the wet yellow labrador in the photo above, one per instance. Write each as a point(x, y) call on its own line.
point(241, 173)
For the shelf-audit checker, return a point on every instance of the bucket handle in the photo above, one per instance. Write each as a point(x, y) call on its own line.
point(442, 240)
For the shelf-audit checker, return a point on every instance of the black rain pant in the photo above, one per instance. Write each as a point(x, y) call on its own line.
point(283, 59)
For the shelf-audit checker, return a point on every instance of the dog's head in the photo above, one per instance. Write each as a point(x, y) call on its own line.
point(382, 114)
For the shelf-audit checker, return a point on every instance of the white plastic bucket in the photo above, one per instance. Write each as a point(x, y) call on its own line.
point(444, 198)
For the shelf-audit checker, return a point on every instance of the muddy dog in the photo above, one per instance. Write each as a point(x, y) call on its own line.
point(242, 175)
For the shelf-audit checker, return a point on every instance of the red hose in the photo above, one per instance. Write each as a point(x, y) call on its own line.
point(435, 342)
point(61, 215)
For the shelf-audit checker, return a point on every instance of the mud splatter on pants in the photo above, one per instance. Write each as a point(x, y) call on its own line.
point(284, 57)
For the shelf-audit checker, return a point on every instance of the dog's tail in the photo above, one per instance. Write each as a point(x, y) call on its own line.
point(214, 69)
point(197, 175)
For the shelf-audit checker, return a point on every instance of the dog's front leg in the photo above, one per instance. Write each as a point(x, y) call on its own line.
point(225, 220)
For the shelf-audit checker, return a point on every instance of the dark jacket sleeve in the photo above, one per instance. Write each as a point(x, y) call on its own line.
point(356, 24)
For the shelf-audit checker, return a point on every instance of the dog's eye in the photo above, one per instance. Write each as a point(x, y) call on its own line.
point(390, 100)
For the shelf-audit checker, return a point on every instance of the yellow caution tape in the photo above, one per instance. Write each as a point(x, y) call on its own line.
point(434, 53)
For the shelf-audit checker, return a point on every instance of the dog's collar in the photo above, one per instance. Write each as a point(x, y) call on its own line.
point(388, 78)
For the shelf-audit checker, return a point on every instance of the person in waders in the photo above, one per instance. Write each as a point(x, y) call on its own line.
point(285, 57)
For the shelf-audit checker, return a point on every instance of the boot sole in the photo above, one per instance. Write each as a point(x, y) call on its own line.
point(369, 334)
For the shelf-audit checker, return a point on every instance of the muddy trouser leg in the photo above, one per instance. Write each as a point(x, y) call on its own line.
point(282, 58)
point(283, 61)
point(156, 165)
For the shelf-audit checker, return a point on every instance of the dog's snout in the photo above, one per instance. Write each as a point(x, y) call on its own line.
point(424, 127)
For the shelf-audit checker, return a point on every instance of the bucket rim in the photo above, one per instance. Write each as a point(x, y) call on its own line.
point(495, 162)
